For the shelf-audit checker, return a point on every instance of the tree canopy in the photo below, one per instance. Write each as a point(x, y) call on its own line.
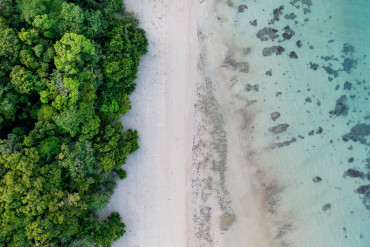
point(66, 72)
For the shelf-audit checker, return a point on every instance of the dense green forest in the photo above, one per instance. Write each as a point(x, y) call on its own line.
point(66, 70)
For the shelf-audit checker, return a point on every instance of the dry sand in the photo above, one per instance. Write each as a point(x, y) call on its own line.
point(186, 186)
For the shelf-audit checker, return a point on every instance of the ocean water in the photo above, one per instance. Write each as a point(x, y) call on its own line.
point(291, 80)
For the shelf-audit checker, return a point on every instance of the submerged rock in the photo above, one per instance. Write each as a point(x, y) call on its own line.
point(242, 7)
point(275, 115)
point(348, 49)
point(348, 64)
point(253, 23)
point(314, 66)
point(250, 87)
point(331, 71)
point(226, 220)
point(288, 33)
point(365, 191)
point(353, 173)
point(285, 143)
point(278, 50)
point(326, 207)
point(347, 86)
point(340, 107)
point(267, 33)
point(292, 54)
point(358, 133)
point(276, 13)
point(230, 63)
point(269, 72)
point(279, 128)
point(290, 16)
point(316, 179)
point(299, 44)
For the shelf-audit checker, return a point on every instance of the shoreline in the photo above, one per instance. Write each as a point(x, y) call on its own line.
point(187, 202)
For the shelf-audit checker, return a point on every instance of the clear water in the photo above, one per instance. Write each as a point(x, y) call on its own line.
point(321, 91)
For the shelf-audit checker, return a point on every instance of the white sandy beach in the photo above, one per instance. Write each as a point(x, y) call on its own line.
point(155, 199)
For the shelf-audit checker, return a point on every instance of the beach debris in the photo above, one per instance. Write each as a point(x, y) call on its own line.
point(275, 115)
point(314, 66)
point(276, 13)
point(319, 131)
point(308, 100)
point(311, 133)
point(341, 109)
point(292, 54)
point(326, 207)
point(359, 132)
point(267, 33)
point(253, 23)
point(278, 50)
point(353, 173)
point(279, 128)
point(242, 7)
point(316, 179)
point(350, 160)
point(226, 220)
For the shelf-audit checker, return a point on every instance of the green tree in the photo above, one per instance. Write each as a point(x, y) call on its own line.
point(66, 72)
point(72, 51)
point(9, 48)
point(22, 79)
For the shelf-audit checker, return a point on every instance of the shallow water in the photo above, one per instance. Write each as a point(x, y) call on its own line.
point(306, 61)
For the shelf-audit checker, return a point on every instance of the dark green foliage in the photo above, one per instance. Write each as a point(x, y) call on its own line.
point(66, 71)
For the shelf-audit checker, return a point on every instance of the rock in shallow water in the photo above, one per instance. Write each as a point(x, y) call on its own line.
point(353, 173)
point(359, 132)
point(275, 115)
point(326, 207)
point(279, 128)
point(340, 107)
point(278, 50)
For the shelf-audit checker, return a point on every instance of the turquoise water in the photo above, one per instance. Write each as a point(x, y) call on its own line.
point(299, 75)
